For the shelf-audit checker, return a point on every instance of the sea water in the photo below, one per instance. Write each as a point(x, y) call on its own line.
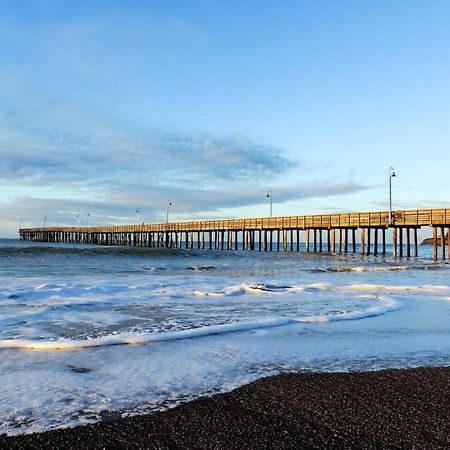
point(94, 332)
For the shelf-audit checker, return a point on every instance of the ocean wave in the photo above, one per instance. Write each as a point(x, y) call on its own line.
point(245, 288)
point(376, 268)
point(67, 250)
point(262, 288)
point(395, 288)
point(381, 305)
point(367, 269)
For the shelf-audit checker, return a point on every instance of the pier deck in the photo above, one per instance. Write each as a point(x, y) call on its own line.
point(329, 232)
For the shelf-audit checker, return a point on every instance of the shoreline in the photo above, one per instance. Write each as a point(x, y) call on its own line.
point(395, 408)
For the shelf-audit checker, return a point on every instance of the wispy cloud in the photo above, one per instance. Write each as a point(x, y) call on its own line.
point(111, 169)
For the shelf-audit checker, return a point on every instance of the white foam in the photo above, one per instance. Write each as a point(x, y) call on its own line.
point(382, 306)
point(394, 288)
point(141, 338)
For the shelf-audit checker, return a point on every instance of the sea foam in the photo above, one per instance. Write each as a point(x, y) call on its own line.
point(383, 305)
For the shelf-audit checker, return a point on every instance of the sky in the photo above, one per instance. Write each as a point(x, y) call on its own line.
point(107, 108)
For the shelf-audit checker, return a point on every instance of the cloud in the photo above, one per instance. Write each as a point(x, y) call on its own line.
point(119, 209)
point(45, 158)
point(109, 169)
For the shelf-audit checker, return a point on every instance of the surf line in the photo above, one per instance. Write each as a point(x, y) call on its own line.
point(144, 338)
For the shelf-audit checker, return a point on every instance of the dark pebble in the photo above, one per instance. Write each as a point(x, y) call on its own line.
point(80, 369)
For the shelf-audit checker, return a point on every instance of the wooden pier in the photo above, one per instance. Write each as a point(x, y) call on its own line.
point(332, 233)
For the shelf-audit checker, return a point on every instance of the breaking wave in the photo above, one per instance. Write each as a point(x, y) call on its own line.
point(381, 305)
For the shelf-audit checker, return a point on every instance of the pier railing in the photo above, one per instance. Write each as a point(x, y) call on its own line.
point(418, 217)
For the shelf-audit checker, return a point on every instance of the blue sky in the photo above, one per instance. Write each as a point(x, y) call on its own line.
point(106, 107)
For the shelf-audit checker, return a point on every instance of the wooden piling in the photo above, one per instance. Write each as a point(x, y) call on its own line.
point(375, 242)
point(400, 243)
point(448, 243)
point(394, 242)
point(435, 243)
point(416, 250)
point(408, 242)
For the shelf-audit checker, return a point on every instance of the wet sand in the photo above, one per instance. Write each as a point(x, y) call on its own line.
point(407, 408)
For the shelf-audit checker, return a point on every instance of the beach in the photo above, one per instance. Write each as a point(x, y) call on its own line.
point(406, 408)
point(166, 336)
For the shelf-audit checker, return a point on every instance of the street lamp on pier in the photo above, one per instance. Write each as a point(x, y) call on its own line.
point(87, 218)
point(169, 203)
point(45, 221)
point(269, 195)
point(391, 175)
point(137, 213)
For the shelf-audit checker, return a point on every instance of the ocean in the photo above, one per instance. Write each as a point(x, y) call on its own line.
point(90, 333)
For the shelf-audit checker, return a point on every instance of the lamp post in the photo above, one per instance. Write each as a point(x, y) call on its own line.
point(137, 213)
point(391, 175)
point(269, 195)
point(87, 218)
point(45, 221)
point(169, 203)
point(78, 220)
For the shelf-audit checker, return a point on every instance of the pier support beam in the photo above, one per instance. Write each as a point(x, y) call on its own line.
point(400, 250)
point(363, 241)
point(375, 242)
point(416, 250)
point(394, 242)
point(408, 242)
point(435, 243)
